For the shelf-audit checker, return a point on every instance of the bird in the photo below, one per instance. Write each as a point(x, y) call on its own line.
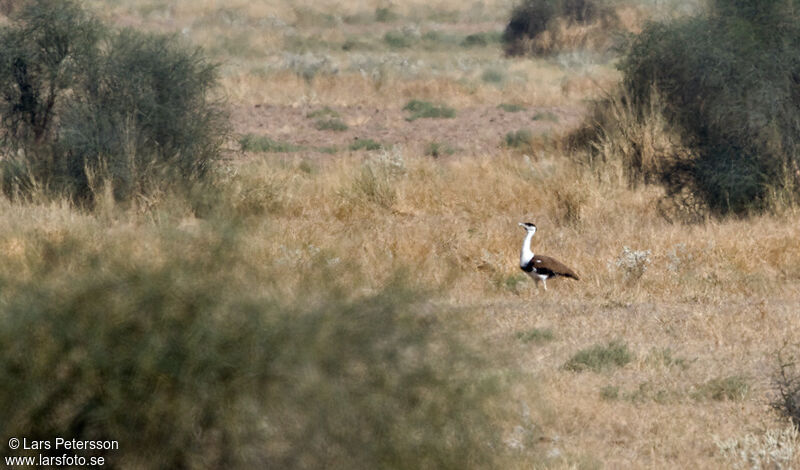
point(539, 267)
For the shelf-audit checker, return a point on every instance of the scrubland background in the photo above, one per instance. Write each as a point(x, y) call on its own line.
point(351, 295)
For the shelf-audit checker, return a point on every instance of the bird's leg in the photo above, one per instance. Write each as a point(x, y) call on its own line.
point(544, 283)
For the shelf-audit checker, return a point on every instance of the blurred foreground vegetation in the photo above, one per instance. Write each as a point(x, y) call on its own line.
point(190, 352)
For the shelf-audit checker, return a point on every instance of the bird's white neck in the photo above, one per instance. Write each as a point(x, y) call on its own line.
point(526, 254)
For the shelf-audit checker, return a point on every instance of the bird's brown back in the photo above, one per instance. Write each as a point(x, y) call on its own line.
point(552, 264)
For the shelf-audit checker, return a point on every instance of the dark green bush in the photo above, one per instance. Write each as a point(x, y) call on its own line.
point(528, 20)
point(133, 109)
point(183, 353)
point(730, 82)
point(531, 18)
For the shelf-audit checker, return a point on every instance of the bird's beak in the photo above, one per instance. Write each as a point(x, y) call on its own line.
point(521, 224)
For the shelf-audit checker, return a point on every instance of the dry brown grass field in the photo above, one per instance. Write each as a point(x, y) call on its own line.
point(702, 308)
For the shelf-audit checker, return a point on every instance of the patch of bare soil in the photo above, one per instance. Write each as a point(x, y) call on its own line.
point(473, 131)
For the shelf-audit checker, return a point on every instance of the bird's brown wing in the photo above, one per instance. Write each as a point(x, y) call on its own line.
point(547, 263)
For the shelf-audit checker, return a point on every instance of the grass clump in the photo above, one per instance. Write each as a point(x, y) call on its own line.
point(386, 15)
point(481, 39)
point(262, 143)
point(610, 393)
point(82, 103)
point(425, 109)
point(331, 124)
point(545, 116)
point(727, 83)
point(492, 75)
point(324, 113)
point(400, 39)
point(536, 335)
point(437, 149)
point(600, 357)
point(733, 388)
point(521, 139)
point(511, 107)
point(365, 144)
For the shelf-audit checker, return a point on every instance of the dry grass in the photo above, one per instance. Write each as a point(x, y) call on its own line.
point(721, 296)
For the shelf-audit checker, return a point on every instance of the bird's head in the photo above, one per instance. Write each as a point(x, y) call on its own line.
point(528, 226)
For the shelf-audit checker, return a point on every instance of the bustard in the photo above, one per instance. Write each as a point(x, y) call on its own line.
point(539, 267)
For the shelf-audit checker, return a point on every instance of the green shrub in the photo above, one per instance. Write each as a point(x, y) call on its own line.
point(729, 84)
point(528, 20)
point(184, 353)
point(531, 18)
point(81, 102)
point(600, 357)
point(424, 109)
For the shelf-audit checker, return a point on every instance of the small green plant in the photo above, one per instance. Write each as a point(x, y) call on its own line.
point(262, 143)
point(399, 39)
point(520, 139)
point(331, 124)
point(511, 107)
point(324, 113)
point(733, 388)
point(329, 149)
point(437, 149)
point(365, 144)
point(481, 39)
point(385, 15)
point(545, 116)
point(425, 109)
point(536, 335)
point(609, 392)
point(492, 75)
point(600, 357)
